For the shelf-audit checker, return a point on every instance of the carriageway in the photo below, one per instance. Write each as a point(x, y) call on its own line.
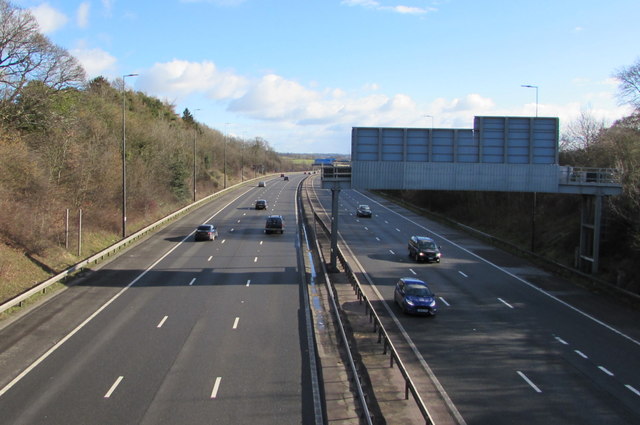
point(509, 154)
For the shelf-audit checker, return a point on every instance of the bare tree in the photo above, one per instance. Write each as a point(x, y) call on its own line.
point(27, 55)
point(582, 133)
point(629, 89)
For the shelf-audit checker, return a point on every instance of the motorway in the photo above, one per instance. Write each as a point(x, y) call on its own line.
point(511, 344)
point(173, 331)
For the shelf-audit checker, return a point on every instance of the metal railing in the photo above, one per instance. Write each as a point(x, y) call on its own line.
point(589, 176)
point(374, 319)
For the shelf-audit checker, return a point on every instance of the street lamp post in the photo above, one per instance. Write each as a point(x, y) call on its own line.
point(429, 116)
point(534, 197)
point(195, 132)
point(124, 157)
point(529, 86)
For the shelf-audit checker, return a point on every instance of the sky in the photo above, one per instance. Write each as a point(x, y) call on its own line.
point(301, 74)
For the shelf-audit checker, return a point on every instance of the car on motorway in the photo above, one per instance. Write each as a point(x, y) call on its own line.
point(363, 211)
point(282, 175)
point(206, 232)
point(274, 224)
point(286, 178)
point(413, 296)
point(261, 204)
point(422, 248)
point(262, 184)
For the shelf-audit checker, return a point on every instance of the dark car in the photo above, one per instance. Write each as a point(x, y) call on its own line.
point(363, 211)
point(262, 184)
point(206, 232)
point(261, 204)
point(415, 297)
point(286, 178)
point(274, 224)
point(422, 248)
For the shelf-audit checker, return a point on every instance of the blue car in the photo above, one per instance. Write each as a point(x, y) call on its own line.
point(414, 297)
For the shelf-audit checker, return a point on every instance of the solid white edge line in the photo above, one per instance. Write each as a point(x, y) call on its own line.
point(216, 387)
point(531, 285)
point(235, 323)
point(164, 319)
point(114, 386)
point(528, 381)
point(104, 306)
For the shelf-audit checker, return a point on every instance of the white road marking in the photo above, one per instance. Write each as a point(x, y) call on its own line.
point(462, 273)
point(386, 222)
point(232, 229)
point(113, 387)
point(210, 258)
point(223, 241)
point(192, 280)
point(505, 303)
point(528, 381)
point(235, 323)
point(445, 302)
point(392, 253)
point(581, 354)
point(605, 370)
point(633, 389)
point(261, 242)
point(248, 282)
point(164, 319)
point(238, 221)
point(378, 239)
point(411, 270)
point(397, 230)
point(562, 340)
point(255, 260)
point(366, 228)
point(216, 387)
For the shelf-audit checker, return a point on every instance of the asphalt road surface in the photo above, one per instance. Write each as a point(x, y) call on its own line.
point(173, 331)
point(511, 344)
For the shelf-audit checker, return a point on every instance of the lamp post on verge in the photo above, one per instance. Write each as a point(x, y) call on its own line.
point(124, 156)
point(429, 116)
point(195, 132)
point(534, 199)
point(529, 86)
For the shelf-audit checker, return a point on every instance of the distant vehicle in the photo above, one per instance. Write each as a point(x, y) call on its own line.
point(286, 178)
point(261, 204)
point(262, 184)
point(414, 296)
point(282, 175)
point(363, 211)
point(274, 224)
point(206, 232)
point(422, 248)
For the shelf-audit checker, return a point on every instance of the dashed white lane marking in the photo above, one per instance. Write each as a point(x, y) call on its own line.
point(255, 260)
point(462, 273)
point(192, 280)
point(378, 239)
point(164, 319)
point(605, 370)
point(562, 341)
point(235, 323)
point(248, 282)
point(209, 259)
point(216, 387)
point(411, 270)
point(581, 354)
point(528, 381)
point(114, 386)
point(445, 302)
point(629, 387)
point(392, 253)
point(505, 303)
point(397, 230)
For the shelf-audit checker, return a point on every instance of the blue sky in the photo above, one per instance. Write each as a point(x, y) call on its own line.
point(301, 73)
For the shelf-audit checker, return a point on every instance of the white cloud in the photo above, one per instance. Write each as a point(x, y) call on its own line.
point(96, 62)
point(49, 19)
point(182, 78)
point(82, 17)
point(376, 5)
